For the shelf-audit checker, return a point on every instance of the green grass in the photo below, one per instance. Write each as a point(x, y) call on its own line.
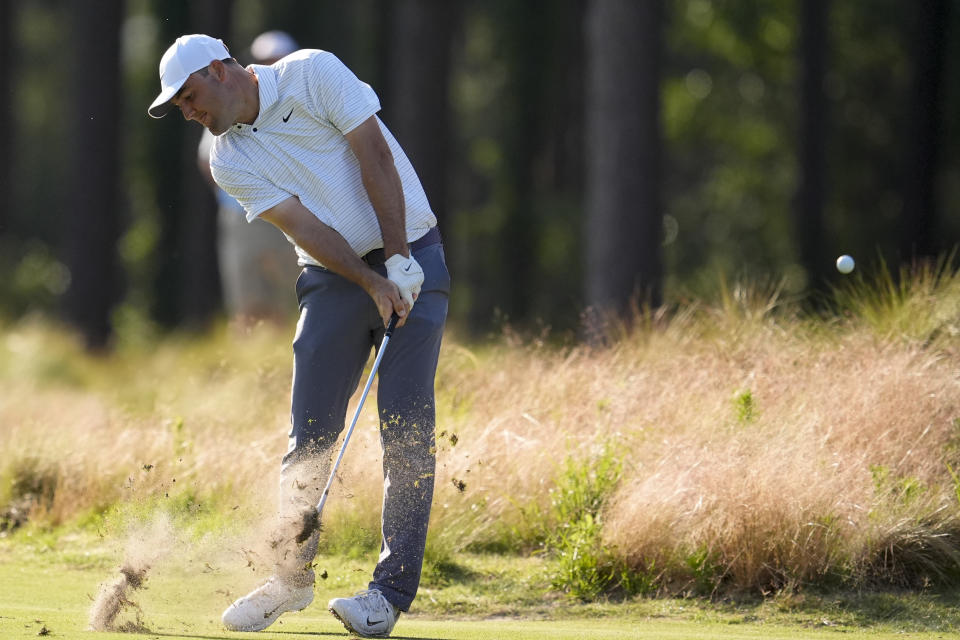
point(742, 468)
point(48, 580)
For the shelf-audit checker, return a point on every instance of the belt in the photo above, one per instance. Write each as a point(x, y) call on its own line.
point(376, 258)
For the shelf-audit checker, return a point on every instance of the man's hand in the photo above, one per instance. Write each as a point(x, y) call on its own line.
point(387, 298)
point(407, 274)
point(331, 250)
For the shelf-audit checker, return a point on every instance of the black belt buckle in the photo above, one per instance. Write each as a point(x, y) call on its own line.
point(376, 257)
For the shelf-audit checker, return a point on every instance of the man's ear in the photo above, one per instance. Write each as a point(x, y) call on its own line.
point(217, 69)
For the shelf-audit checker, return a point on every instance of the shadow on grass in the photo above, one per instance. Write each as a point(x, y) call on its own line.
point(350, 635)
point(160, 634)
point(318, 634)
point(919, 610)
point(443, 573)
point(907, 610)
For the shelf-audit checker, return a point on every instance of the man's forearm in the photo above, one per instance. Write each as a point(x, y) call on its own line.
point(332, 250)
point(385, 190)
point(321, 241)
point(382, 183)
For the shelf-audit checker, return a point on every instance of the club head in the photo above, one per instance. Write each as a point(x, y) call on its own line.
point(310, 524)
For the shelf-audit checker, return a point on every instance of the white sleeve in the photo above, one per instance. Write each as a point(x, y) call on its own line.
point(338, 95)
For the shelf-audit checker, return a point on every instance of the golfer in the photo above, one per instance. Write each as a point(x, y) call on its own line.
point(300, 146)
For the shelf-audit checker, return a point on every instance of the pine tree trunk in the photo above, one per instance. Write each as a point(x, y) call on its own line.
point(169, 138)
point(7, 15)
point(919, 237)
point(623, 231)
point(91, 218)
point(187, 285)
point(201, 294)
point(417, 105)
point(808, 212)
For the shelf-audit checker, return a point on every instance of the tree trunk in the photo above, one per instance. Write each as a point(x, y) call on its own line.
point(200, 292)
point(808, 211)
point(354, 31)
point(417, 105)
point(623, 219)
point(91, 213)
point(919, 237)
point(527, 28)
point(168, 141)
point(187, 285)
point(7, 16)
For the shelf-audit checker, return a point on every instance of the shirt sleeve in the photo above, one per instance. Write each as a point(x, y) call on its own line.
point(253, 192)
point(338, 95)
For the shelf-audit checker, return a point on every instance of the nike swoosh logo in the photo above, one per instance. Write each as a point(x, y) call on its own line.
point(406, 269)
point(370, 622)
point(270, 613)
point(288, 115)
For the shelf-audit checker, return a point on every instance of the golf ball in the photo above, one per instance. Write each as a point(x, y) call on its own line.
point(845, 264)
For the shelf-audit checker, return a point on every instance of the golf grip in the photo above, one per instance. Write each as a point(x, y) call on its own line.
point(394, 318)
point(376, 365)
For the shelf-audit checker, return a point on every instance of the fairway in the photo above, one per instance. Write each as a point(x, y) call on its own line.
point(186, 603)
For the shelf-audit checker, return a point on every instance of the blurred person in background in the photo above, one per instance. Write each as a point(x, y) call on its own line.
point(257, 267)
point(299, 144)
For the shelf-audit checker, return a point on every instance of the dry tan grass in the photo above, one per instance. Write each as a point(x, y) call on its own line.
point(752, 437)
point(788, 495)
point(779, 497)
point(140, 425)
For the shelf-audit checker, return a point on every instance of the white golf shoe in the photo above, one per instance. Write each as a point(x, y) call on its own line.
point(261, 607)
point(366, 614)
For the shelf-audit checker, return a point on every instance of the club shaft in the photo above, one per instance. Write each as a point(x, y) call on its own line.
point(356, 415)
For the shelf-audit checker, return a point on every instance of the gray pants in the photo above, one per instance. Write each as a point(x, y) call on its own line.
point(339, 324)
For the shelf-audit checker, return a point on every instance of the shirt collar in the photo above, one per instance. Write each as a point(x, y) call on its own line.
point(267, 83)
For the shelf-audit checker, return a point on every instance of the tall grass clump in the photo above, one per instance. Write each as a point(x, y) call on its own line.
point(585, 566)
point(779, 489)
point(738, 446)
point(748, 428)
point(919, 302)
point(183, 422)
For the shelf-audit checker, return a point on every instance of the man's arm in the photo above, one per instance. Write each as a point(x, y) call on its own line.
point(330, 248)
point(383, 185)
point(385, 190)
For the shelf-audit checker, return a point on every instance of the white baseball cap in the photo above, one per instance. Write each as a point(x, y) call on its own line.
point(186, 55)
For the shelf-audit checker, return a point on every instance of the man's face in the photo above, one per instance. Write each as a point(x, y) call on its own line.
point(203, 97)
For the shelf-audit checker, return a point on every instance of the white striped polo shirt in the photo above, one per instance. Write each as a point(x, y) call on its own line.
point(296, 147)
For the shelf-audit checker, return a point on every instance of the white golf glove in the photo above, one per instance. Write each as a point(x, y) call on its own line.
point(407, 274)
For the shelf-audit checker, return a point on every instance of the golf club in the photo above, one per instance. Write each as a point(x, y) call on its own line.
point(311, 521)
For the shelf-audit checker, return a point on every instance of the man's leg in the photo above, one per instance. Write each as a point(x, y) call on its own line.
point(337, 327)
point(338, 323)
point(407, 422)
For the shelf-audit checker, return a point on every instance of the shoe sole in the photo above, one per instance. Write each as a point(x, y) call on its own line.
point(349, 628)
